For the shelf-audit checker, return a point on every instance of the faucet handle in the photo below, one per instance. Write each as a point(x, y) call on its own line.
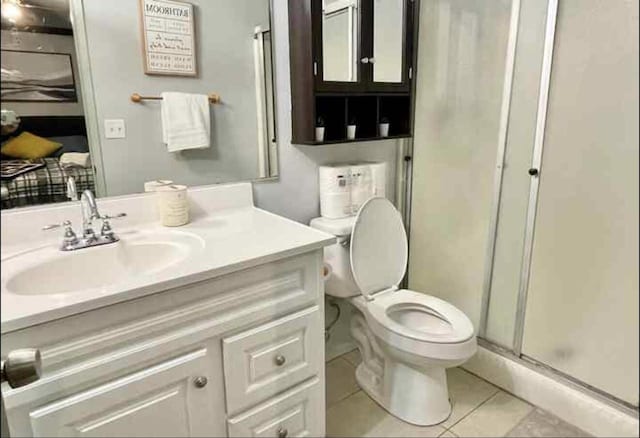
point(66, 224)
point(106, 230)
point(115, 216)
point(69, 238)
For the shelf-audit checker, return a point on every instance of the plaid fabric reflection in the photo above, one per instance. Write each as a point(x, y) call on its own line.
point(45, 185)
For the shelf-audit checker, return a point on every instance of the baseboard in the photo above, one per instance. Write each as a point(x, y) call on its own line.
point(566, 402)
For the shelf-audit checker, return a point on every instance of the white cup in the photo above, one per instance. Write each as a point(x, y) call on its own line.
point(383, 129)
point(319, 133)
point(351, 132)
point(173, 205)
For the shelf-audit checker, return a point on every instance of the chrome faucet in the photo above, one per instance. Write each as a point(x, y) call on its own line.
point(90, 213)
point(72, 191)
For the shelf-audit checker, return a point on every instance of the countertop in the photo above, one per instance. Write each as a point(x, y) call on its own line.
point(232, 239)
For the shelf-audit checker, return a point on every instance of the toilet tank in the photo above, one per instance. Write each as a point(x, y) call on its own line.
point(340, 282)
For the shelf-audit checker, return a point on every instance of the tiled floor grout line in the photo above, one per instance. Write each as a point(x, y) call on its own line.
point(344, 398)
point(473, 410)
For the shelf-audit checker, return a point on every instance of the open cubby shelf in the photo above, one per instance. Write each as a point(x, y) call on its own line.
point(366, 111)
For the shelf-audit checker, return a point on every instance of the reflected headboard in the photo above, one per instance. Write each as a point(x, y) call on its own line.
point(52, 126)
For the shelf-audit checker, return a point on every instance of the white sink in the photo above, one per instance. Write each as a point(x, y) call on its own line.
point(48, 270)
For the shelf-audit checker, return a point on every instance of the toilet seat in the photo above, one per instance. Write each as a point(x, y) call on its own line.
point(379, 253)
point(445, 324)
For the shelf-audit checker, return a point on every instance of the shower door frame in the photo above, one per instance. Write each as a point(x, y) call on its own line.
point(405, 178)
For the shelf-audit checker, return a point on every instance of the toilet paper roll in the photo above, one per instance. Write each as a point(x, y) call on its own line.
point(173, 205)
point(361, 186)
point(379, 178)
point(335, 191)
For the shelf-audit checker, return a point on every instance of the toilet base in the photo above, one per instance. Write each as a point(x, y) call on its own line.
point(419, 397)
point(416, 394)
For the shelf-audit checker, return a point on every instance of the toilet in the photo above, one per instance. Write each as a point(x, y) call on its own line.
point(407, 339)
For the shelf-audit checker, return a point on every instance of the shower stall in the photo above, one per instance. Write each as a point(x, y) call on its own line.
point(524, 193)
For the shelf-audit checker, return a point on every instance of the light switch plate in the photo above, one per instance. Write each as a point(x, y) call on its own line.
point(114, 128)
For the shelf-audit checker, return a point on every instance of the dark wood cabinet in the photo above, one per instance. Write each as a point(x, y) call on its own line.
point(352, 62)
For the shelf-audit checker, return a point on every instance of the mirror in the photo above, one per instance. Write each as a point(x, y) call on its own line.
point(70, 67)
point(340, 36)
point(388, 38)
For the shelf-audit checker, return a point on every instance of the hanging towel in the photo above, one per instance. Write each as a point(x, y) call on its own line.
point(75, 159)
point(185, 121)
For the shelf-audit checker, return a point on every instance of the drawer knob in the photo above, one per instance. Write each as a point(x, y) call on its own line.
point(200, 381)
point(280, 360)
point(282, 433)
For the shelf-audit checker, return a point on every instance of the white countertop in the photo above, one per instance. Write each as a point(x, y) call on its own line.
point(233, 239)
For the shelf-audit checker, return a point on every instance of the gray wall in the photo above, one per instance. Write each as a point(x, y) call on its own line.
point(224, 42)
point(43, 42)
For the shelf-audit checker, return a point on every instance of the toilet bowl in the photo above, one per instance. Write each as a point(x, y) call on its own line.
point(407, 339)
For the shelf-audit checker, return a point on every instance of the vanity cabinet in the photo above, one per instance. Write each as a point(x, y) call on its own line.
point(237, 355)
point(352, 63)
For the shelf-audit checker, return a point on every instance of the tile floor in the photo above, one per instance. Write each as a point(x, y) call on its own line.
point(479, 410)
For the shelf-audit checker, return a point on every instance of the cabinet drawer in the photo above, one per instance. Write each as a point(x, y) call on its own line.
point(294, 413)
point(271, 358)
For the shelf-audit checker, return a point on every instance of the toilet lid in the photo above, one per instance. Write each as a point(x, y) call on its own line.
point(378, 247)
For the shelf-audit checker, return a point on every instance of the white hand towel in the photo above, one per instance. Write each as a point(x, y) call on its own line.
point(185, 121)
point(77, 159)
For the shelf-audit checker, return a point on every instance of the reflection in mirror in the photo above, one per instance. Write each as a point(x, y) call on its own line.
point(44, 136)
point(388, 36)
point(340, 32)
point(66, 97)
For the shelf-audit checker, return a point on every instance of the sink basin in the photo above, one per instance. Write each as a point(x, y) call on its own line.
point(50, 271)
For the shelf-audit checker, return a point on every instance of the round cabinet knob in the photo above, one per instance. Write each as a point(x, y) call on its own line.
point(280, 360)
point(22, 367)
point(533, 172)
point(364, 60)
point(282, 433)
point(200, 381)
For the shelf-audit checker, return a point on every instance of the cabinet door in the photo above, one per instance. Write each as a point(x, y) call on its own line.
point(173, 398)
point(363, 45)
point(390, 49)
point(337, 27)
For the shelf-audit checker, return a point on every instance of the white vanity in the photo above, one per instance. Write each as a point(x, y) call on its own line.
point(211, 329)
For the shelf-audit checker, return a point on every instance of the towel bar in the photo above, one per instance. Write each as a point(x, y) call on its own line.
point(135, 97)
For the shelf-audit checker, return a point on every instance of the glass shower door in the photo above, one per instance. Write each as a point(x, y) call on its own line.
point(582, 301)
point(462, 57)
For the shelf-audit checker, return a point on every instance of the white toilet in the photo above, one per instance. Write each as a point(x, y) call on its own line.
point(407, 339)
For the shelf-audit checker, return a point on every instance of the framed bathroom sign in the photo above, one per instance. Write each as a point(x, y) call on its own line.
point(168, 37)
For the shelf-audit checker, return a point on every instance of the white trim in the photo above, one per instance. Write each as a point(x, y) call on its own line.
point(261, 106)
point(88, 97)
point(566, 402)
point(338, 6)
point(541, 122)
point(502, 145)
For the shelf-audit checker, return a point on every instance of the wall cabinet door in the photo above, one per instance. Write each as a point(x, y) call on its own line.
point(391, 47)
point(173, 398)
point(362, 45)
